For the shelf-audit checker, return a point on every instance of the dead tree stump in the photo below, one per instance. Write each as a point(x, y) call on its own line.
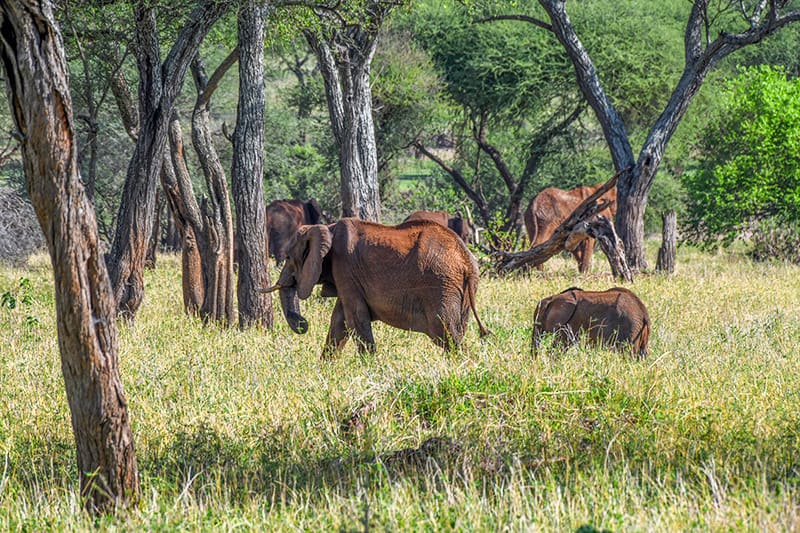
point(666, 254)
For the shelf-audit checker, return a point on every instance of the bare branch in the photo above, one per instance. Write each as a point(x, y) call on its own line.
point(522, 18)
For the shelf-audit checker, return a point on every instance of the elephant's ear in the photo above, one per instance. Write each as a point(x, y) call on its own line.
point(457, 225)
point(559, 310)
point(319, 241)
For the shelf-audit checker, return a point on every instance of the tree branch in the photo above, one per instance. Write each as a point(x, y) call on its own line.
point(522, 18)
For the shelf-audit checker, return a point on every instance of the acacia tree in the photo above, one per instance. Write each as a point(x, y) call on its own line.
point(248, 169)
point(506, 108)
point(345, 45)
point(702, 51)
point(41, 106)
point(159, 86)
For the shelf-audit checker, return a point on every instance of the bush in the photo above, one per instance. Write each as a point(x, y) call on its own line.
point(772, 239)
point(749, 169)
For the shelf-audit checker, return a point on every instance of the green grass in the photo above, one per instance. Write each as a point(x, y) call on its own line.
point(249, 430)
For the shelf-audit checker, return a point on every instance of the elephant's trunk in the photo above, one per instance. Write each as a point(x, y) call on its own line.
point(291, 309)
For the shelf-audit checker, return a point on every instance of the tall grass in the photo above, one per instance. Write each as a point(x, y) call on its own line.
point(250, 430)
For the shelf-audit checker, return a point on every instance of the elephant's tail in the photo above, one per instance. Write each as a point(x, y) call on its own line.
point(470, 283)
point(642, 340)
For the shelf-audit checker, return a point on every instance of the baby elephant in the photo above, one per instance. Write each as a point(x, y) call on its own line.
point(615, 317)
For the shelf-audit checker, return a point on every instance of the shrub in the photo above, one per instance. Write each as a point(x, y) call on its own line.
point(772, 239)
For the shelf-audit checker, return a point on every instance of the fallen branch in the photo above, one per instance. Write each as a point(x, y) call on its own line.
point(508, 261)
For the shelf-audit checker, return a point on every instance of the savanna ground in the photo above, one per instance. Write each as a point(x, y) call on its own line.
point(250, 430)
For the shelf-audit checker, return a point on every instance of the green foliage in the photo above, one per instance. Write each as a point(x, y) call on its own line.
point(637, 48)
point(749, 169)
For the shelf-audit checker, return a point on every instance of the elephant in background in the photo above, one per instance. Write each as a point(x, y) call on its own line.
point(552, 206)
point(416, 276)
point(464, 228)
point(615, 317)
point(283, 219)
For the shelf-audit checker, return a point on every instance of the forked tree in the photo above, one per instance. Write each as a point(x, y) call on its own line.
point(705, 44)
point(41, 106)
point(344, 50)
point(159, 86)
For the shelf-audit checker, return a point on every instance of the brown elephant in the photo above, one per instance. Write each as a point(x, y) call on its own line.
point(464, 228)
point(552, 206)
point(615, 317)
point(417, 276)
point(283, 219)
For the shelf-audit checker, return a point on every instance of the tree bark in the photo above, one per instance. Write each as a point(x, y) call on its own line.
point(155, 235)
point(345, 57)
point(36, 77)
point(177, 186)
point(159, 86)
point(669, 240)
point(216, 246)
point(248, 170)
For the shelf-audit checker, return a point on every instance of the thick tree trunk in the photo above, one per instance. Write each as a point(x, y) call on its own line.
point(669, 240)
point(36, 76)
point(248, 171)
point(159, 86)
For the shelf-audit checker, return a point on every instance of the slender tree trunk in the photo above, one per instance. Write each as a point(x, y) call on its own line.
point(177, 185)
point(669, 240)
point(36, 76)
point(349, 97)
point(248, 170)
point(217, 233)
point(159, 86)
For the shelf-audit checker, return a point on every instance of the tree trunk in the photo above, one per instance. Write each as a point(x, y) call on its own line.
point(248, 170)
point(155, 235)
point(216, 248)
point(177, 185)
point(349, 96)
point(667, 252)
point(172, 236)
point(36, 77)
point(159, 86)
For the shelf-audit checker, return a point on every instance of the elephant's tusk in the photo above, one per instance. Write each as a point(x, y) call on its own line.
point(269, 289)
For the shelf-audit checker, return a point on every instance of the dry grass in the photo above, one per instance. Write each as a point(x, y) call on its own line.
point(249, 430)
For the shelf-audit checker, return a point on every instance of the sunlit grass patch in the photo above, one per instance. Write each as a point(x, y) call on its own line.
point(251, 429)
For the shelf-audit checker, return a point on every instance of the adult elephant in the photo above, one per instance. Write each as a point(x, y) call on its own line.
point(416, 276)
point(283, 219)
point(463, 228)
point(552, 206)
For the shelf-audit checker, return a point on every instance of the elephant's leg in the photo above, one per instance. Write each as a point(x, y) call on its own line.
point(359, 320)
point(583, 255)
point(337, 333)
